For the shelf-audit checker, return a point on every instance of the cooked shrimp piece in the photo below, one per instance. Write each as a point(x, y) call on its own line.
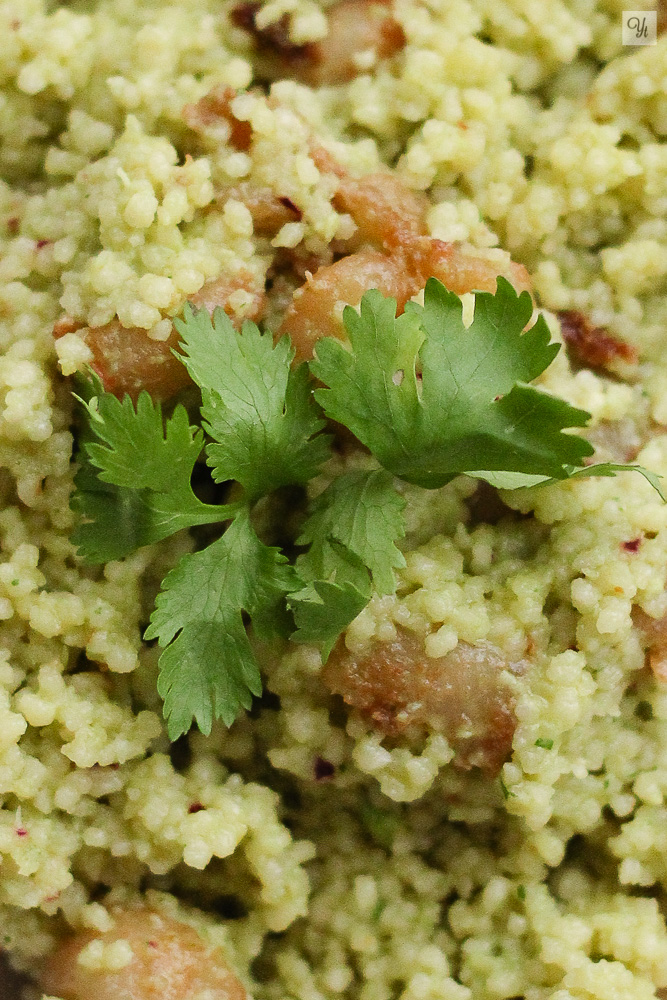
point(360, 33)
point(220, 293)
point(392, 217)
point(392, 254)
point(357, 29)
point(655, 631)
point(128, 361)
point(169, 961)
point(461, 271)
point(269, 210)
point(592, 346)
point(386, 212)
point(317, 307)
point(214, 110)
point(404, 692)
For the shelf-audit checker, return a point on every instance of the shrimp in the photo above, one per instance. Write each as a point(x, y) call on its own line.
point(392, 253)
point(209, 116)
point(461, 271)
point(360, 32)
point(217, 294)
point(316, 309)
point(386, 213)
point(404, 693)
point(592, 346)
point(655, 632)
point(269, 211)
point(214, 110)
point(128, 361)
point(617, 440)
point(170, 961)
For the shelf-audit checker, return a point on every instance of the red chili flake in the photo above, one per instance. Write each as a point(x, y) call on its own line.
point(152, 944)
point(21, 831)
point(323, 769)
point(463, 126)
point(592, 346)
point(289, 204)
point(631, 546)
point(42, 243)
point(196, 807)
point(13, 224)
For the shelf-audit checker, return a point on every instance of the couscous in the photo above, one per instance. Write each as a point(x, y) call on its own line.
point(466, 800)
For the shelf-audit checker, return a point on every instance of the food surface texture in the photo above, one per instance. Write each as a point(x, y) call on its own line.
point(329, 667)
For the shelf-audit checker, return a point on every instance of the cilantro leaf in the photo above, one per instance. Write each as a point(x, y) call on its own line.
point(336, 586)
point(133, 486)
point(351, 531)
point(324, 609)
point(136, 449)
point(430, 398)
point(611, 468)
point(515, 480)
point(469, 409)
point(363, 512)
point(115, 520)
point(208, 669)
point(259, 410)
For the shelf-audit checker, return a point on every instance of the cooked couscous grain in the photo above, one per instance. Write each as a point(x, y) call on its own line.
point(468, 802)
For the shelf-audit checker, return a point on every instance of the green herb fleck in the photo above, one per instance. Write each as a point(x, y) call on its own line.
point(644, 711)
point(507, 792)
point(382, 825)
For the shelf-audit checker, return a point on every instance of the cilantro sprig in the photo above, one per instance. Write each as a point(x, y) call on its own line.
point(257, 409)
point(430, 399)
point(133, 486)
point(208, 668)
point(351, 532)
